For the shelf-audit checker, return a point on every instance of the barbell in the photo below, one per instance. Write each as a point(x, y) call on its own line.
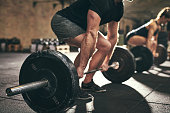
point(48, 80)
point(142, 52)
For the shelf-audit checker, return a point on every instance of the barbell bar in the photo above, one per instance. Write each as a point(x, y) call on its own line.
point(114, 65)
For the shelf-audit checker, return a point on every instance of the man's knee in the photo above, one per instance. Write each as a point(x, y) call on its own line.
point(108, 46)
point(105, 46)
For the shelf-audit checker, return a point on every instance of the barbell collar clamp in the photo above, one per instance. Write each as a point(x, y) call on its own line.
point(114, 65)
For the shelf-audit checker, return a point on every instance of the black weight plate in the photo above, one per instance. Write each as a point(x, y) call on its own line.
point(146, 55)
point(50, 90)
point(161, 50)
point(66, 78)
point(126, 66)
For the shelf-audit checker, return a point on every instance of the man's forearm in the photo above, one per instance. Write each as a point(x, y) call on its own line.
point(113, 42)
point(87, 48)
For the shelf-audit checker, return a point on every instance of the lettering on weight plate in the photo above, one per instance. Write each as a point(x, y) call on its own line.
point(55, 100)
point(33, 67)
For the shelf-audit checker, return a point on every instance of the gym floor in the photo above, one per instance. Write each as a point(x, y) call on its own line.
point(146, 92)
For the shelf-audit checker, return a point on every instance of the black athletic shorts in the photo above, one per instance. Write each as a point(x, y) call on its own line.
point(64, 28)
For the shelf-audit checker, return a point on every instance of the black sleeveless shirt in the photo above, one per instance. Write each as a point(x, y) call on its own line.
point(106, 9)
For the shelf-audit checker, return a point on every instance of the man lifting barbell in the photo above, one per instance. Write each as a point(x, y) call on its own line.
point(78, 25)
point(147, 34)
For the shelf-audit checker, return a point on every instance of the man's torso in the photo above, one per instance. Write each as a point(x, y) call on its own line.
point(106, 9)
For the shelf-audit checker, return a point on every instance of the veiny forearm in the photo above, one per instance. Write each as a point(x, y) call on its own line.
point(87, 48)
point(113, 41)
point(112, 38)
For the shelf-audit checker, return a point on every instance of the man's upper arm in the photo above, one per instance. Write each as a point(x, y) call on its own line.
point(93, 21)
point(99, 6)
point(112, 29)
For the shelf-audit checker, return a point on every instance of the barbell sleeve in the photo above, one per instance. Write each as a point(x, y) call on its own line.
point(26, 87)
point(114, 65)
point(138, 58)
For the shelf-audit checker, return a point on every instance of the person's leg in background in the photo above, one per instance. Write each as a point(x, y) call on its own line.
point(137, 40)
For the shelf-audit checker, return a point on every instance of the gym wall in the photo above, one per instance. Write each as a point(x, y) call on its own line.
point(27, 20)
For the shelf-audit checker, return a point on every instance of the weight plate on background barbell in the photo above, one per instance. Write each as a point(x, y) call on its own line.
point(162, 52)
point(126, 66)
point(61, 74)
point(146, 58)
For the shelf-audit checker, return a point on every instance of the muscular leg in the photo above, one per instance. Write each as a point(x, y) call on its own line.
point(76, 42)
point(137, 41)
point(97, 59)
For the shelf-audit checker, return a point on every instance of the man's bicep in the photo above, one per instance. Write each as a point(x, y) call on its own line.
point(93, 20)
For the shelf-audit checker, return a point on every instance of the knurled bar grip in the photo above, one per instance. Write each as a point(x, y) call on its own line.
point(26, 87)
point(114, 65)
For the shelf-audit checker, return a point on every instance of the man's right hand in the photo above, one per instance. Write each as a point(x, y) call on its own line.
point(156, 54)
point(80, 72)
point(105, 66)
